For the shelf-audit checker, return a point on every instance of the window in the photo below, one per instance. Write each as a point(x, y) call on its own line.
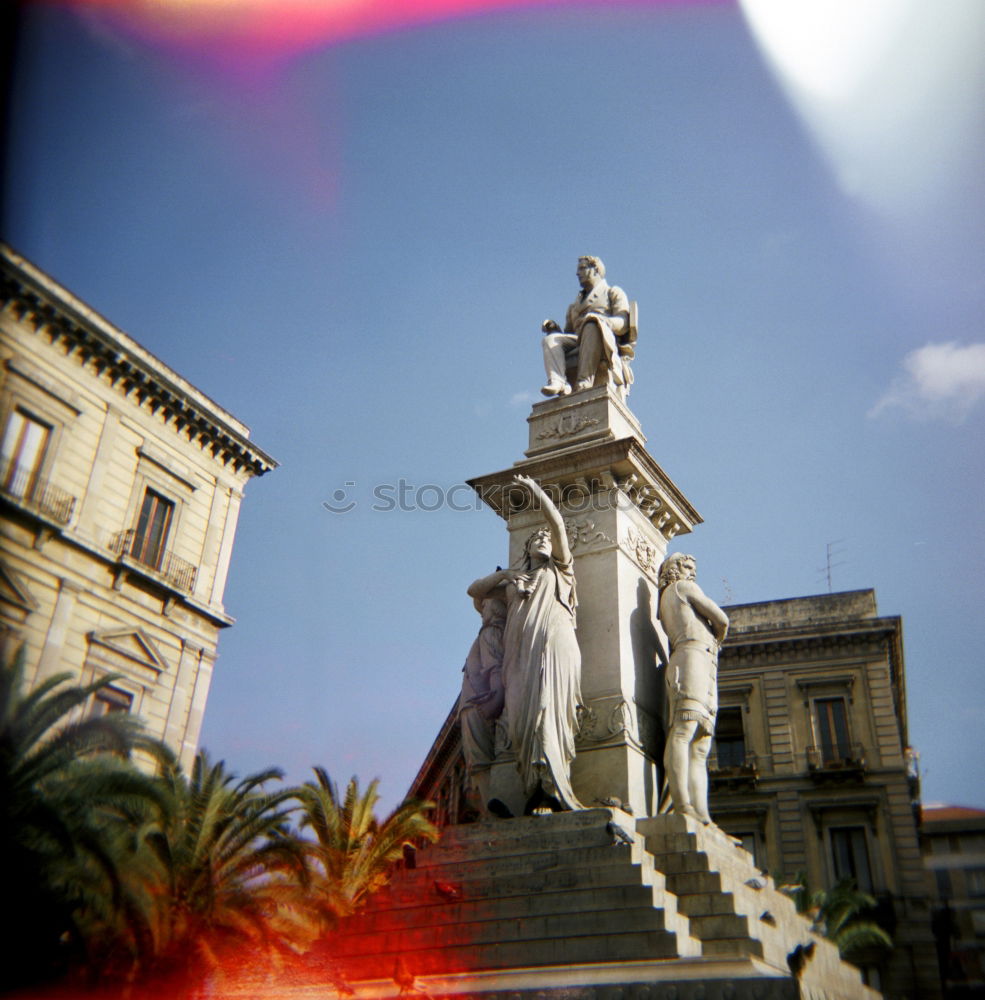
point(110, 699)
point(730, 740)
point(850, 856)
point(943, 877)
point(976, 881)
point(151, 533)
point(832, 730)
point(973, 843)
point(24, 442)
point(751, 843)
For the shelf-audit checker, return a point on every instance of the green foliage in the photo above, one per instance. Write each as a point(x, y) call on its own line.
point(353, 853)
point(65, 782)
point(211, 865)
point(162, 882)
point(839, 913)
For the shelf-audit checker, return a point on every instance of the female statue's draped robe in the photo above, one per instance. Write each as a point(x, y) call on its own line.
point(542, 677)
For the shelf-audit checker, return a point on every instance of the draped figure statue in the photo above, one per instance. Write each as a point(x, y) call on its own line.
point(541, 659)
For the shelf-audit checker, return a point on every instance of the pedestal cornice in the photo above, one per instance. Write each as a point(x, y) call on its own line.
point(581, 472)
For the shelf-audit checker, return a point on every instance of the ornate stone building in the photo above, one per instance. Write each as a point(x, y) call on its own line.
point(811, 766)
point(120, 485)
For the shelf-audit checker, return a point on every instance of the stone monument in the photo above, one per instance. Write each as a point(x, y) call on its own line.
point(596, 895)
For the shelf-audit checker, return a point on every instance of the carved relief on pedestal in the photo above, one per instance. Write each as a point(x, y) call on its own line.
point(566, 425)
point(582, 534)
point(646, 555)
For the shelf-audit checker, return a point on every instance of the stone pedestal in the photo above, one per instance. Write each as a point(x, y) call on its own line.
point(621, 509)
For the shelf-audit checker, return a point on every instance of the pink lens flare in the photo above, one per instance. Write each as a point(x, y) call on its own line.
point(262, 30)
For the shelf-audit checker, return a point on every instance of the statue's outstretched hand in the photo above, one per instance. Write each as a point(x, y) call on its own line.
point(550, 326)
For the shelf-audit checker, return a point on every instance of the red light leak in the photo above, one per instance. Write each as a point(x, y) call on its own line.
point(265, 30)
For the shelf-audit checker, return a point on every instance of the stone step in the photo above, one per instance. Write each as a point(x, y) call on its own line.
point(490, 883)
point(560, 824)
point(719, 926)
point(732, 947)
point(531, 863)
point(582, 924)
point(516, 906)
point(537, 840)
point(605, 947)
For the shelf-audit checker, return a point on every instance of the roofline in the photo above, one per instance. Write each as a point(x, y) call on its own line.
point(97, 340)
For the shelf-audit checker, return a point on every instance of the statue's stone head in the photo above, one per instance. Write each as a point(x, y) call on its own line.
point(536, 543)
point(679, 566)
point(594, 263)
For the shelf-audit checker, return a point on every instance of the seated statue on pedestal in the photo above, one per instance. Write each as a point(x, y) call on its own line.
point(696, 627)
point(598, 336)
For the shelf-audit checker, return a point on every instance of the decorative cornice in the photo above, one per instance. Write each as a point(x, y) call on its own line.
point(802, 642)
point(41, 304)
point(602, 475)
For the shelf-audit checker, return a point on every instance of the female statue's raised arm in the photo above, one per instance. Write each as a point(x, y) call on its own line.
point(559, 537)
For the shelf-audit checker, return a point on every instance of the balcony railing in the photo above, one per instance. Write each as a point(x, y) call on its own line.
point(733, 771)
point(19, 484)
point(848, 758)
point(178, 572)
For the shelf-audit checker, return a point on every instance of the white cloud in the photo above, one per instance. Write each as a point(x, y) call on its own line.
point(942, 381)
point(521, 398)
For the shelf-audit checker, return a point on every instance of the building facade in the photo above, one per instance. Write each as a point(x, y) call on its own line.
point(953, 840)
point(120, 488)
point(812, 769)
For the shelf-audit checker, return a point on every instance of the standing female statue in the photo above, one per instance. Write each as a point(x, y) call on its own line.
point(541, 659)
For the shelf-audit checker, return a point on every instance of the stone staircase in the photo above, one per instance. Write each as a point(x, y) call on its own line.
point(589, 900)
point(734, 909)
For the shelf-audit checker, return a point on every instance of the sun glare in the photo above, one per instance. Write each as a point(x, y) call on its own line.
point(891, 90)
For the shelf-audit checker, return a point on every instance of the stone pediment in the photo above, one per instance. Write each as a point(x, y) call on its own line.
point(132, 644)
point(14, 590)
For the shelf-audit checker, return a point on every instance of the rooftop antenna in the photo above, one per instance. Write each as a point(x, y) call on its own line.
point(832, 553)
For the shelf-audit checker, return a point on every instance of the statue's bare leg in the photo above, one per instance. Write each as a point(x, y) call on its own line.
point(677, 760)
point(697, 777)
point(589, 354)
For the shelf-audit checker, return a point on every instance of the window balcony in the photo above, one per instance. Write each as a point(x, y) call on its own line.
point(21, 486)
point(732, 771)
point(833, 761)
point(131, 549)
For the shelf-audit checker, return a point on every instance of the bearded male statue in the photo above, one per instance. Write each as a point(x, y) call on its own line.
point(597, 328)
point(696, 627)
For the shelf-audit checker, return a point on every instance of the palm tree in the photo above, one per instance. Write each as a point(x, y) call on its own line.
point(353, 853)
point(62, 785)
point(839, 914)
point(222, 876)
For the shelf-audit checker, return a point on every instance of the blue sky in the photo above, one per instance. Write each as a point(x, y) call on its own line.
point(352, 249)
